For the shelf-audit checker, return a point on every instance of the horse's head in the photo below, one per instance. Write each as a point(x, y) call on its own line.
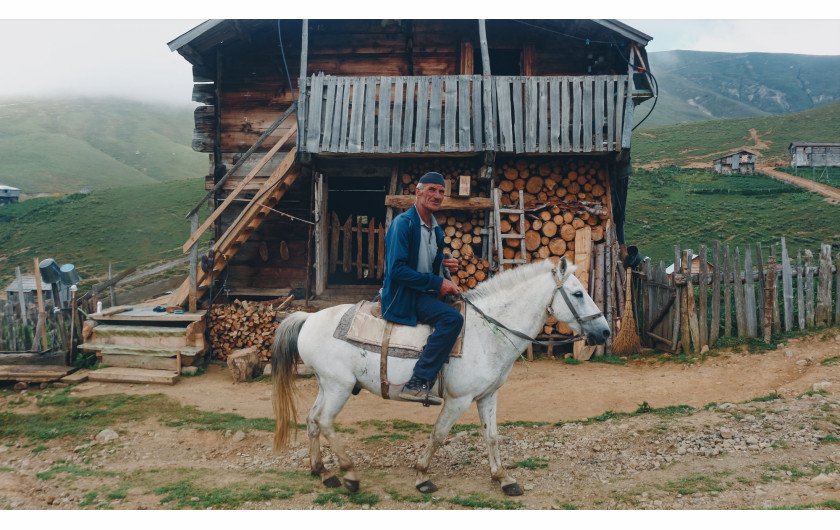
point(575, 307)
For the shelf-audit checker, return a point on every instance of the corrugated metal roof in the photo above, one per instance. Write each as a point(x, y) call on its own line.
point(736, 153)
point(28, 285)
point(4, 187)
point(814, 144)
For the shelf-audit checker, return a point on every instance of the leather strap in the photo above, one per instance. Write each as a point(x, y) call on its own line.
point(383, 359)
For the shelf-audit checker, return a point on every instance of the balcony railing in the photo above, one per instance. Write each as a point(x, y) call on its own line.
point(451, 114)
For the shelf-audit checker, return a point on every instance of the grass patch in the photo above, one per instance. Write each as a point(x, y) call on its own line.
point(694, 483)
point(572, 360)
point(520, 423)
point(608, 359)
point(830, 439)
point(772, 396)
point(73, 472)
point(476, 500)
point(532, 463)
point(829, 504)
point(377, 438)
point(820, 392)
point(831, 361)
point(417, 498)
point(341, 497)
point(188, 493)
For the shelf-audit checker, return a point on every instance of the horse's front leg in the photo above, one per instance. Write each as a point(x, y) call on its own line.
point(453, 408)
point(322, 420)
point(487, 413)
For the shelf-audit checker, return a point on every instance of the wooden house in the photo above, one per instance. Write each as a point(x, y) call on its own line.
point(814, 154)
point(8, 194)
point(317, 131)
point(742, 162)
point(29, 287)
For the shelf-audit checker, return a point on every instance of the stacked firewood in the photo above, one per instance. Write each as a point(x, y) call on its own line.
point(472, 271)
point(463, 239)
point(451, 170)
point(561, 196)
point(241, 325)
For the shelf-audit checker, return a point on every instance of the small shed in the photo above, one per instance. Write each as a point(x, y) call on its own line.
point(742, 162)
point(695, 267)
point(29, 290)
point(814, 154)
point(8, 194)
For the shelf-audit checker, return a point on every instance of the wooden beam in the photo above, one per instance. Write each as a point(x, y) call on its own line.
point(449, 203)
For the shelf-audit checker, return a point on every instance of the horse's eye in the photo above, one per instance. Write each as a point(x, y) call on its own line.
point(578, 294)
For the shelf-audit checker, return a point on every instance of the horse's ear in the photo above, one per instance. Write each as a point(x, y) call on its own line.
point(562, 266)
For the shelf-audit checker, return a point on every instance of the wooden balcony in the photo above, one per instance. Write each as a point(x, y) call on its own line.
point(465, 114)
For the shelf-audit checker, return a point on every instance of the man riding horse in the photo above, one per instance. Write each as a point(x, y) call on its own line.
point(412, 285)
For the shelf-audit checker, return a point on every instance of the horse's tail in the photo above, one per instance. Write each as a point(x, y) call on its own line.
point(284, 355)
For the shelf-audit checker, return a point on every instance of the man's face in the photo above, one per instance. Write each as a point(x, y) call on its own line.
point(430, 196)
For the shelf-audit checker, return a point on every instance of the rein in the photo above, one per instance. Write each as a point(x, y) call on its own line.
point(559, 287)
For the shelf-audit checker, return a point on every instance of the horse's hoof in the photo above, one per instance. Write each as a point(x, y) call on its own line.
point(426, 487)
point(351, 485)
point(512, 490)
point(332, 482)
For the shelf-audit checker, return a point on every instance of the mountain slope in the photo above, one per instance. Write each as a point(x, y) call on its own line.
point(711, 85)
point(58, 146)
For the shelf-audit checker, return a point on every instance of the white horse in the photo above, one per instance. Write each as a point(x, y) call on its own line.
point(502, 314)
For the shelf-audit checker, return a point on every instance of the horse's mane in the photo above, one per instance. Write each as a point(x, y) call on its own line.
point(512, 277)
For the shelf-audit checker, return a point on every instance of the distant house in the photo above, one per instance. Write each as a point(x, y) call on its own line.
point(695, 267)
point(29, 290)
point(814, 154)
point(742, 162)
point(8, 195)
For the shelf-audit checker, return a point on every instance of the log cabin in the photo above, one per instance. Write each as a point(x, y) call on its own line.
point(742, 162)
point(318, 130)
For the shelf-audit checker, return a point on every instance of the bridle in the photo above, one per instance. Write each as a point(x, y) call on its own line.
point(558, 282)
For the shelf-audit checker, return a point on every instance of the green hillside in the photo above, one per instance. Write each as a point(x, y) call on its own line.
point(713, 85)
point(138, 225)
point(699, 143)
point(62, 146)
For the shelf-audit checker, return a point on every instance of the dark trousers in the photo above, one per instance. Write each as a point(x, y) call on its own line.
point(447, 322)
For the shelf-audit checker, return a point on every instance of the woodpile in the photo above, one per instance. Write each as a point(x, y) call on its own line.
point(451, 170)
point(241, 325)
point(561, 196)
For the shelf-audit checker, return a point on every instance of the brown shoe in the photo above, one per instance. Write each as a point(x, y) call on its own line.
point(419, 391)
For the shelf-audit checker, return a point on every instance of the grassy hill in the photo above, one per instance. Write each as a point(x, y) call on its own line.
point(62, 146)
point(713, 85)
point(699, 143)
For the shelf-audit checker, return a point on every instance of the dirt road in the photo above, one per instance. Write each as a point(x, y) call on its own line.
point(831, 193)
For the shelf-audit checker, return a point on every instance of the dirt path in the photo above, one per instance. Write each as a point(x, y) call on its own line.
point(831, 193)
point(728, 451)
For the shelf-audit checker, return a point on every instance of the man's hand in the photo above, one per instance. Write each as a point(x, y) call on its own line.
point(448, 287)
point(451, 264)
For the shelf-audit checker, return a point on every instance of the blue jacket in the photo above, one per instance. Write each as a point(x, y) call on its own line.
point(402, 281)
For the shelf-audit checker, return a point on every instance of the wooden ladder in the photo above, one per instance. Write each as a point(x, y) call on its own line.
point(241, 229)
point(500, 237)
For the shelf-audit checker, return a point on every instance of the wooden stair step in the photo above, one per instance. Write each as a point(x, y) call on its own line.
point(120, 349)
point(133, 375)
point(139, 331)
point(32, 373)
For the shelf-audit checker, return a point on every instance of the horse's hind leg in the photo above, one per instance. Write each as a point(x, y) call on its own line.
point(487, 413)
point(316, 464)
point(322, 422)
point(452, 410)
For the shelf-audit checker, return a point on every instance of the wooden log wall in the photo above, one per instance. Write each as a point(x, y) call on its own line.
point(745, 293)
point(15, 336)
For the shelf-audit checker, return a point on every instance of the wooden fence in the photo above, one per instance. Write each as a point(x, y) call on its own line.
point(358, 246)
point(735, 292)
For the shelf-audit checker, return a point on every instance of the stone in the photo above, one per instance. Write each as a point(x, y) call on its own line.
point(238, 436)
point(189, 370)
point(822, 385)
point(106, 435)
point(788, 353)
point(267, 370)
point(822, 478)
point(725, 433)
point(704, 349)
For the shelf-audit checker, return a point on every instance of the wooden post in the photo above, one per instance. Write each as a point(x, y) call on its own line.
point(685, 326)
point(749, 294)
point(193, 297)
point(727, 294)
point(770, 294)
point(762, 295)
point(111, 288)
point(42, 315)
point(787, 287)
point(600, 271)
point(714, 332)
point(702, 279)
point(809, 289)
point(62, 330)
point(777, 318)
point(21, 296)
point(740, 315)
point(489, 126)
point(800, 291)
point(678, 308)
point(823, 313)
point(694, 325)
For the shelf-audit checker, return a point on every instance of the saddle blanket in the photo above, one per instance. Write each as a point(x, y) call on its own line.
point(362, 325)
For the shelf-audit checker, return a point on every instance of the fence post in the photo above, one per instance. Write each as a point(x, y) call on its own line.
point(749, 293)
point(740, 315)
point(714, 330)
point(770, 294)
point(701, 280)
point(111, 288)
point(823, 314)
point(727, 293)
point(193, 297)
point(21, 295)
point(787, 287)
point(800, 293)
point(809, 289)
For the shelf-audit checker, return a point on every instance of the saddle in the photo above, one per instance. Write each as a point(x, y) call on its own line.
point(362, 325)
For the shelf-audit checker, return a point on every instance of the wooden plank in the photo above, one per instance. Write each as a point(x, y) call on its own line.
point(335, 231)
point(685, 324)
point(800, 291)
point(420, 143)
point(762, 292)
point(554, 105)
point(610, 97)
point(435, 114)
point(598, 118)
point(543, 140)
point(693, 322)
point(770, 286)
point(354, 139)
point(345, 114)
point(371, 253)
point(133, 375)
point(587, 114)
point(380, 269)
point(32, 373)
point(702, 281)
point(408, 123)
point(450, 94)
point(787, 287)
point(313, 121)
point(727, 293)
point(505, 115)
point(320, 233)
point(329, 113)
point(347, 242)
point(148, 362)
point(359, 248)
point(449, 203)
point(577, 102)
point(396, 122)
point(823, 312)
point(75, 378)
point(777, 320)
point(619, 113)
point(517, 89)
point(477, 121)
point(564, 102)
point(531, 101)
point(809, 289)
point(384, 115)
point(714, 330)
point(740, 311)
point(369, 128)
point(627, 125)
point(749, 294)
point(464, 140)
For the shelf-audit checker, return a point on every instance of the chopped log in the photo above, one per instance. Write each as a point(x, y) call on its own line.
point(549, 229)
point(533, 185)
point(244, 364)
point(567, 232)
point(557, 246)
point(532, 240)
